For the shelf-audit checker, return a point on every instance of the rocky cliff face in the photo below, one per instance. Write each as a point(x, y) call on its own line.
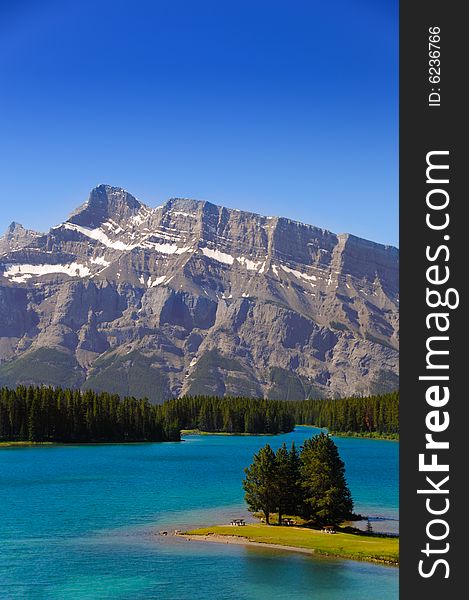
point(193, 298)
point(16, 237)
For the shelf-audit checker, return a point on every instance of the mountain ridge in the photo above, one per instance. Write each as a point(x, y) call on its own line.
point(191, 282)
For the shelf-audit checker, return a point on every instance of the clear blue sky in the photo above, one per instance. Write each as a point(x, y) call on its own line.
point(283, 108)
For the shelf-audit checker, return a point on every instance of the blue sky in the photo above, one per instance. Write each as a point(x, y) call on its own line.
point(282, 108)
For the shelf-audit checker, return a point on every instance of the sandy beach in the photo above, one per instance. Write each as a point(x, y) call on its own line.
point(234, 539)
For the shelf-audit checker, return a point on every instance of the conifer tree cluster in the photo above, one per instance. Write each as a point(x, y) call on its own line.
point(310, 483)
point(63, 415)
point(371, 414)
point(232, 414)
point(45, 414)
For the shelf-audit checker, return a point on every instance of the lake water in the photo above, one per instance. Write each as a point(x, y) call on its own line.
point(79, 522)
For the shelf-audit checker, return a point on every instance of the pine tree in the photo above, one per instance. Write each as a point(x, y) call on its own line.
point(295, 491)
point(261, 483)
point(34, 434)
point(327, 498)
point(282, 465)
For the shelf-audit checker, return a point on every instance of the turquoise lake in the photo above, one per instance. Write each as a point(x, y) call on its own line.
point(80, 522)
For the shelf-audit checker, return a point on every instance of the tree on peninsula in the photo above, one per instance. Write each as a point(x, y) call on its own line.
point(310, 483)
point(295, 492)
point(261, 483)
point(287, 465)
point(326, 496)
point(282, 467)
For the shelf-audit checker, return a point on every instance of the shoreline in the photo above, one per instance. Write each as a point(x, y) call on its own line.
point(363, 437)
point(25, 444)
point(228, 433)
point(242, 541)
point(355, 434)
point(195, 432)
point(306, 541)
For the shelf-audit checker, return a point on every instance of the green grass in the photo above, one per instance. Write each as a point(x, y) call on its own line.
point(16, 444)
point(344, 545)
point(199, 432)
point(372, 435)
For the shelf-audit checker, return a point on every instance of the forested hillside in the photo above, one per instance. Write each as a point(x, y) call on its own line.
point(46, 414)
point(373, 414)
point(232, 415)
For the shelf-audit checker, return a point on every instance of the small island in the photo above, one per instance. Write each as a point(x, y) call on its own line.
point(305, 504)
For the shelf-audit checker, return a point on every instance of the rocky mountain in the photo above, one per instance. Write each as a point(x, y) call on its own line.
point(190, 297)
point(16, 237)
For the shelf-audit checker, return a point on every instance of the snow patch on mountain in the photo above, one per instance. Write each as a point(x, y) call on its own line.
point(249, 264)
point(298, 273)
point(164, 248)
point(99, 260)
point(99, 235)
point(156, 281)
point(21, 272)
point(219, 256)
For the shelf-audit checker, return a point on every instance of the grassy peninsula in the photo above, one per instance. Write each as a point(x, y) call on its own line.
point(390, 437)
point(341, 544)
point(310, 486)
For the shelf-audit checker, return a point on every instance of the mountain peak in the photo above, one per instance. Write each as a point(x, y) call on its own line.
point(197, 298)
point(105, 202)
point(16, 236)
point(14, 227)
